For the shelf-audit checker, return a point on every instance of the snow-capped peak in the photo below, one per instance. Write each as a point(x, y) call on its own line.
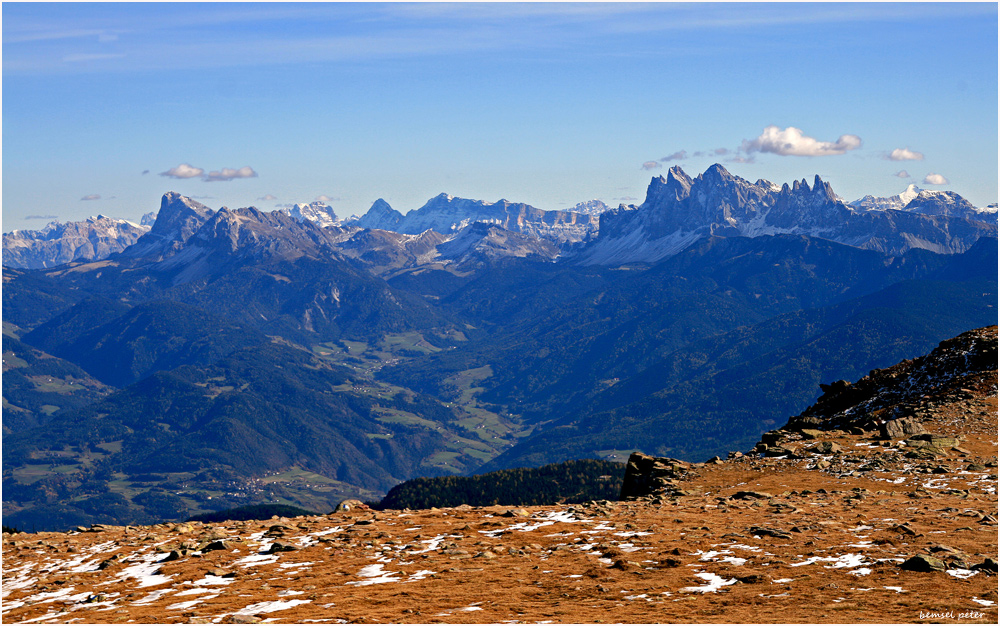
point(319, 212)
point(898, 201)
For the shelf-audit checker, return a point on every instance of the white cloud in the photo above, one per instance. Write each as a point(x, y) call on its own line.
point(721, 151)
point(905, 154)
point(230, 174)
point(183, 171)
point(268, 197)
point(902, 174)
point(144, 172)
point(935, 179)
point(680, 155)
point(93, 196)
point(741, 159)
point(792, 142)
point(325, 198)
point(651, 165)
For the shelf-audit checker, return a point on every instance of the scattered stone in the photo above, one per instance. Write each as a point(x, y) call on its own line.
point(108, 562)
point(775, 451)
point(754, 579)
point(826, 447)
point(221, 573)
point(751, 495)
point(989, 565)
point(811, 433)
point(175, 555)
point(761, 531)
point(281, 546)
point(216, 545)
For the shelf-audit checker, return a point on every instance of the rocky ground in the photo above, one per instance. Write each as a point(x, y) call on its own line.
point(838, 525)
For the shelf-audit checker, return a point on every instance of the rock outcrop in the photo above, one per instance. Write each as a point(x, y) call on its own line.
point(649, 475)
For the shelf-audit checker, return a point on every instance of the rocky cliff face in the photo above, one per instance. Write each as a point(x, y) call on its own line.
point(481, 241)
point(679, 210)
point(246, 235)
point(92, 239)
point(903, 390)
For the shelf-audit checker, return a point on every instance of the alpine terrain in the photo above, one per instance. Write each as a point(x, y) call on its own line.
point(234, 357)
point(877, 503)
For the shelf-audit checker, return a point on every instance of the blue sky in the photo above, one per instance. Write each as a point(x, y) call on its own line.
point(108, 106)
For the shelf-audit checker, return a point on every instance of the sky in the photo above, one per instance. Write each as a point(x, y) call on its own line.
point(108, 106)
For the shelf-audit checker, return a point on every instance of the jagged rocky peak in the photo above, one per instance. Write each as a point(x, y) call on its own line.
point(673, 187)
point(179, 216)
point(381, 216)
point(679, 210)
point(716, 173)
point(380, 206)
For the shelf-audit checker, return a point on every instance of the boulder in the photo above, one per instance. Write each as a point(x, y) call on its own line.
point(900, 428)
point(773, 436)
point(924, 563)
point(280, 546)
point(776, 451)
point(351, 505)
point(825, 447)
point(930, 440)
point(218, 544)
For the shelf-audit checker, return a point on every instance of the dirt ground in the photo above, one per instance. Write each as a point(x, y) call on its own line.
point(816, 539)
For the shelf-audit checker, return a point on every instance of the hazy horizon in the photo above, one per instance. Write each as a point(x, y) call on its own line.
point(108, 106)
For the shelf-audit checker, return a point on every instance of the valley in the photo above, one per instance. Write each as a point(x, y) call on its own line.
point(237, 357)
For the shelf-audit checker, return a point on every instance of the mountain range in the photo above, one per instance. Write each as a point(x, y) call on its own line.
point(234, 356)
point(92, 240)
point(676, 212)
